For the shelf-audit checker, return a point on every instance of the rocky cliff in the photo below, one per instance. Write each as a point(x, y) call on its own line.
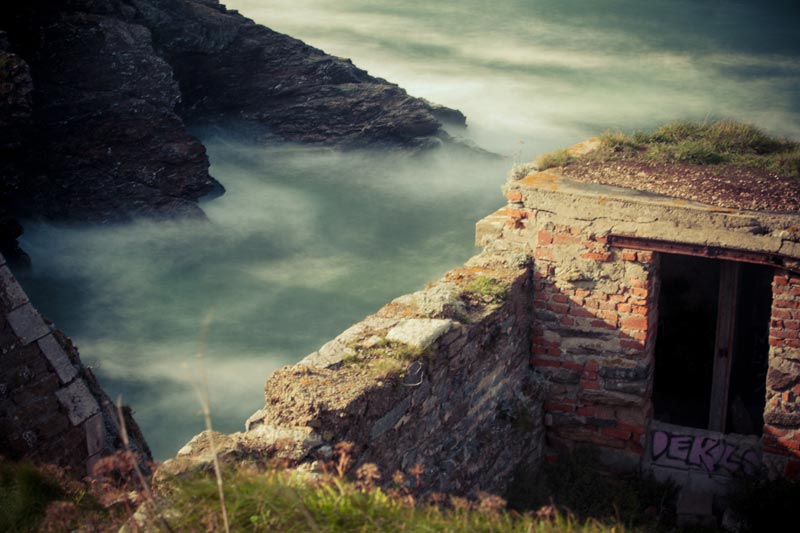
point(96, 97)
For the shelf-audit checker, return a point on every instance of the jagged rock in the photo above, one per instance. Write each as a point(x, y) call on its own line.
point(96, 93)
point(231, 69)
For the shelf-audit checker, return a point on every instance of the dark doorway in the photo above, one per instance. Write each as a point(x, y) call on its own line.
point(687, 318)
point(711, 352)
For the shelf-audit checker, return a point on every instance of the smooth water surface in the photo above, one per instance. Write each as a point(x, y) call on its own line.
point(307, 241)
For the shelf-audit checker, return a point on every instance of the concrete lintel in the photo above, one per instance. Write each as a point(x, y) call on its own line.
point(606, 209)
point(58, 358)
point(27, 324)
point(78, 401)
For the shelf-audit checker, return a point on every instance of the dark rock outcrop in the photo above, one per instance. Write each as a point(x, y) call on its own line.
point(95, 96)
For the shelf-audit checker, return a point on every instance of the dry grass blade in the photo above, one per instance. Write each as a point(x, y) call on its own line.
point(200, 387)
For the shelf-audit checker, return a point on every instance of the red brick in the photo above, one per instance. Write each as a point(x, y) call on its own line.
point(781, 314)
point(567, 321)
point(633, 429)
point(631, 345)
point(644, 257)
point(617, 298)
point(572, 365)
point(561, 309)
point(792, 470)
point(641, 310)
point(609, 316)
point(638, 335)
point(516, 214)
point(624, 308)
point(780, 279)
point(791, 324)
point(775, 342)
point(539, 361)
point(639, 293)
point(561, 238)
point(595, 256)
point(629, 256)
point(580, 312)
point(559, 406)
point(554, 351)
point(634, 322)
point(582, 293)
point(614, 432)
point(793, 343)
point(560, 298)
point(606, 306)
point(604, 325)
point(514, 196)
point(545, 237)
point(789, 444)
point(543, 252)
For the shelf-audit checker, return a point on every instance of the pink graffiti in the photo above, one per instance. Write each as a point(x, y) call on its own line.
point(707, 453)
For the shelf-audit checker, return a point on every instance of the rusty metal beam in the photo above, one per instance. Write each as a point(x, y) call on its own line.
point(715, 252)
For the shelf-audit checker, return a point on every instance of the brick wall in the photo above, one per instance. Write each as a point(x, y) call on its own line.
point(593, 337)
point(52, 409)
point(781, 440)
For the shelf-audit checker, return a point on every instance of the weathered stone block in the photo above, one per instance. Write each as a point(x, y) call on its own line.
point(11, 294)
point(95, 434)
point(78, 401)
point(27, 324)
point(58, 358)
point(419, 332)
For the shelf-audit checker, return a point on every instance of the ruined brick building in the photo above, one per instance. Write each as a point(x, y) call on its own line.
point(669, 330)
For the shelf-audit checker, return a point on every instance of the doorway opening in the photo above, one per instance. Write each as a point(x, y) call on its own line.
point(711, 353)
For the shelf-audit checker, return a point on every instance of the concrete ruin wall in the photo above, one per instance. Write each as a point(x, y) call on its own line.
point(52, 409)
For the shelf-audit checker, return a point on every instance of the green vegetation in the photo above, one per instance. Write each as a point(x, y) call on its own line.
point(25, 493)
point(556, 158)
point(281, 501)
point(34, 499)
point(576, 485)
point(708, 143)
point(488, 289)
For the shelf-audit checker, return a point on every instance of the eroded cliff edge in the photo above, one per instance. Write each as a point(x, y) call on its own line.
point(96, 97)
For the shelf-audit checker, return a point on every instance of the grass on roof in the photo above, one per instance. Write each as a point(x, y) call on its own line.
point(706, 143)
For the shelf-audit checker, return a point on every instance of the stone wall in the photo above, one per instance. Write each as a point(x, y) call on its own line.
point(439, 378)
point(52, 409)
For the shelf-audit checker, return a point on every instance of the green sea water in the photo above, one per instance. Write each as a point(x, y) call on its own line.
point(307, 241)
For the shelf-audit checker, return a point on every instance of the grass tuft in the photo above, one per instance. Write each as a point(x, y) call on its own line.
point(488, 289)
point(707, 143)
point(556, 158)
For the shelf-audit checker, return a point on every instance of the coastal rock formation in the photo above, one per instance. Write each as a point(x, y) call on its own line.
point(96, 95)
